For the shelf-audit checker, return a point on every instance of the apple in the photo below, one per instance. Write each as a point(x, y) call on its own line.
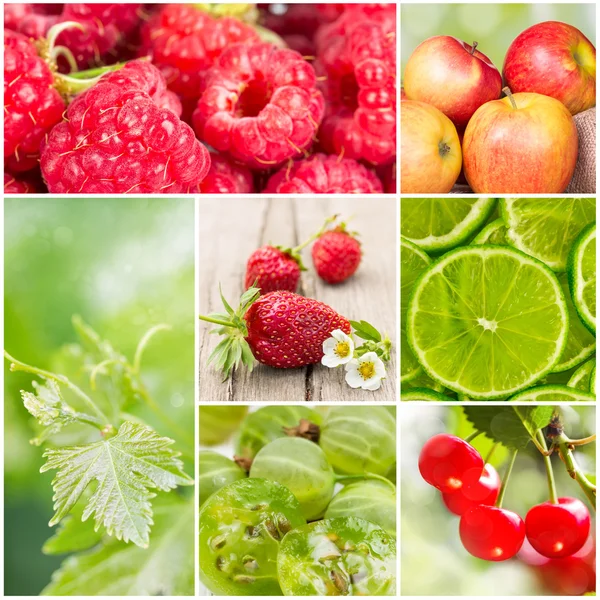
point(522, 144)
point(554, 59)
point(453, 76)
point(430, 157)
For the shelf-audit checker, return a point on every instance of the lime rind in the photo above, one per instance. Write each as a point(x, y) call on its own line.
point(593, 381)
point(423, 380)
point(493, 233)
point(580, 380)
point(581, 270)
point(545, 228)
point(413, 261)
point(552, 393)
point(556, 317)
point(581, 344)
point(451, 222)
point(423, 394)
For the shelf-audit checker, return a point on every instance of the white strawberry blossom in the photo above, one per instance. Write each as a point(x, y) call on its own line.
point(365, 372)
point(338, 349)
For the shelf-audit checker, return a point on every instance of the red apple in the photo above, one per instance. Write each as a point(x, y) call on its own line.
point(453, 76)
point(554, 59)
point(430, 150)
point(522, 144)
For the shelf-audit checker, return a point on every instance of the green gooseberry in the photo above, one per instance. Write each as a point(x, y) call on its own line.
point(268, 423)
point(359, 439)
point(214, 472)
point(217, 423)
point(302, 467)
point(372, 500)
point(241, 527)
point(347, 556)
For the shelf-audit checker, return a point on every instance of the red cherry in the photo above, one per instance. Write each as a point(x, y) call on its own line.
point(491, 533)
point(485, 491)
point(558, 530)
point(448, 463)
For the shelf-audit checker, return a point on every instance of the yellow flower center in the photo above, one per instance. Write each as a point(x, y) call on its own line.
point(366, 370)
point(342, 349)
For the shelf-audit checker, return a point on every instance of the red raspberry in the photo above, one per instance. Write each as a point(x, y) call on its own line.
point(105, 28)
point(184, 42)
point(322, 174)
point(121, 136)
point(336, 255)
point(32, 106)
point(14, 15)
point(14, 185)
point(357, 54)
point(260, 105)
point(226, 177)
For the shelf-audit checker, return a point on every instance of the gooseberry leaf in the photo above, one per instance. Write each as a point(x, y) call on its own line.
point(113, 568)
point(125, 467)
point(512, 426)
point(73, 534)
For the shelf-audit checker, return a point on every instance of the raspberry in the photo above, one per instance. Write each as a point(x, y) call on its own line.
point(121, 136)
point(226, 177)
point(105, 27)
point(260, 105)
point(357, 54)
point(14, 15)
point(321, 174)
point(184, 43)
point(15, 185)
point(32, 106)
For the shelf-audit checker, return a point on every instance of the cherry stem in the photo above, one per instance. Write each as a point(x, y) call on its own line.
point(490, 453)
point(549, 472)
point(509, 95)
point(473, 48)
point(566, 453)
point(505, 479)
point(472, 436)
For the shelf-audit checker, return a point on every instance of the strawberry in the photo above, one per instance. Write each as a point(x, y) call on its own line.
point(273, 268)
point(279, 329)
point(336, 255)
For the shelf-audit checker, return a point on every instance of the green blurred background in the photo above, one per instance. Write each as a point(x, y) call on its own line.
point(494, 26)
point(433, 560)
point(124, 265)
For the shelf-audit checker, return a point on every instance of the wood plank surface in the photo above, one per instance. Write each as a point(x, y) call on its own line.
point(230, 229)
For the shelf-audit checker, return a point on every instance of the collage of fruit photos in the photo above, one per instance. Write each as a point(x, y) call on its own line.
point(299, 299)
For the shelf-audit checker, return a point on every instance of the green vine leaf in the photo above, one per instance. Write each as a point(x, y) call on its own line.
point(512, 426)
point(116, 569)
point(125, 467)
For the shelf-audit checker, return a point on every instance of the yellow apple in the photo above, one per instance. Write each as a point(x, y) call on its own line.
point(430, 150)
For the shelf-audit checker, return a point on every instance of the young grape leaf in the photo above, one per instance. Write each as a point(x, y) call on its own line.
point(47, 406)
point(513, 426)
point(166, 568)
point(73, 534)
point(126, 467)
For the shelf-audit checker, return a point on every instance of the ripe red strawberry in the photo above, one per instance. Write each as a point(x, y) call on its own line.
point(184, 42)
point(357, 55)
point(122, 136)
point(260, 105)
point(336, 255)
point(322, 174)
point(280, 329)
point(32, 106)
point(226, 177)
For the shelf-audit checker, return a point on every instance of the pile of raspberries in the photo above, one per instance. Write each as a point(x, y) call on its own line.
point(213, 98)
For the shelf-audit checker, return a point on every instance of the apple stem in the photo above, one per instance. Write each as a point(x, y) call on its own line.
point(509, 95)
point(473, 48)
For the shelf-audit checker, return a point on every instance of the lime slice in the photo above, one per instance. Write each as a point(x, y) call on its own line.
point(487, 321)
point(581, 344)
point(593, 381)
point(546, 227)
point(438, 224)
point(582, 276)
point(423, 394)
point(580, 380)
point(413, 261)
point(552, 393)
point(422, 380)
point(494, 233)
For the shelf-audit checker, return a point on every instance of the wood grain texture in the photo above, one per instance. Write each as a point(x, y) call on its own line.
point(230, 229)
